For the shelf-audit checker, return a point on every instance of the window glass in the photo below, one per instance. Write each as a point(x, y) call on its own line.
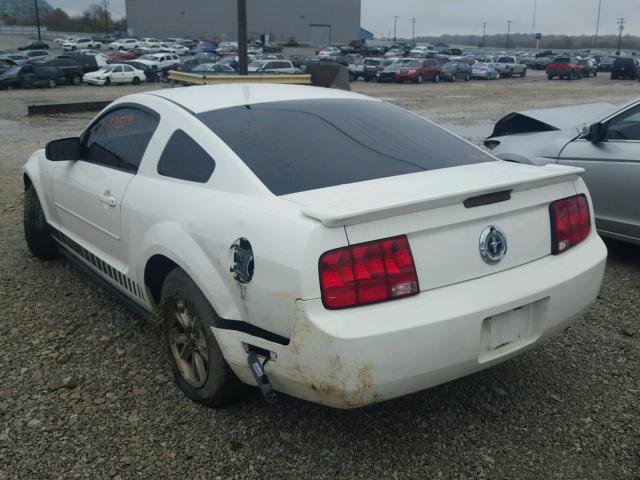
point(184, 159)
point(625, 126)
point(120, 138)
point(300, 145)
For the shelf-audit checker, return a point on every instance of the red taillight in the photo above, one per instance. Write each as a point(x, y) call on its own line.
point(570, 222)
point(367, 273)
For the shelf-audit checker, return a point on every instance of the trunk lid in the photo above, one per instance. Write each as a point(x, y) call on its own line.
point(443, 233)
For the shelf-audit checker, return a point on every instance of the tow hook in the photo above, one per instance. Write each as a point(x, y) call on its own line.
point(261, 377)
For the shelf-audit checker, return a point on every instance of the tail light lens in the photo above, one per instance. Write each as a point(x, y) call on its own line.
point(367, 273)
point(570, 222)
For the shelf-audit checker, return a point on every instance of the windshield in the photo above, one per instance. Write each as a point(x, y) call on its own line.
point(562, 60)
point(505, 60)
point(449, 66)
point(414, 64)
point(12, 71)
point(299, 145)
point(256, 64)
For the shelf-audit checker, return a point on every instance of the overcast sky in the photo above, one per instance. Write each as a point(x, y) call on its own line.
point(434, 17)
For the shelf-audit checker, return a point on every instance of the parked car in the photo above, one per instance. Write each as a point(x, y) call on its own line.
point(328, 52)
point(421, 51)
point(35, 45)
point(80, 43)
point(30, 75)
point(510, 66)
point(452, 71)
point(36, 54)
point(606, 64)
point(213, 69)
point(394, 53)
point(124, 44)
point(190, 63)
point(182, 200)
point(417, 71)
point(485, 71)
point(159, 61)
point(272, 66)
point(601, 138)
point(19, 58)
point(625, 68)
point(69, 69)
point(589, 67)
point(114, 74)
point(150, 74)
point(89, 63)
point(174, 48)
point(60, 41)
point(121, 55)
point(7, 64)
point(564, 67)
point(389, 73)
point(374, 65)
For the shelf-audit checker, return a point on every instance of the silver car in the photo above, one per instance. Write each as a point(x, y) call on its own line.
point(607, 147)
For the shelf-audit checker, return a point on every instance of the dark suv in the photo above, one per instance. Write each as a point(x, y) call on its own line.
point(70, 70)
point(30, 76)
point(456, 71)
point(625, 67)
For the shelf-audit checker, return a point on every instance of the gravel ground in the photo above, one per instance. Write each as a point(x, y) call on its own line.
point(85, 391)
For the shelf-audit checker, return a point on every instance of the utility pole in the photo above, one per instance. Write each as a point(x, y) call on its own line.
point(106, 17)
point(508, 33)
point(621, 22)
point(395, 23)
point(413, 28)
point(535, 11)
point(38, 21)
point(242, 37)
point(484, 32)
point(595, 40)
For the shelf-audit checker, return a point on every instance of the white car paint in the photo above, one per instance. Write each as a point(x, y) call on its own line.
point(342, 358)
point(114, 74)
point(272, 66)
point(79, 44)
point(159, 60)
point(124, 44)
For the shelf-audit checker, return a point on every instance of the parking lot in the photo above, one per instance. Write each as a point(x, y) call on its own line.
point(85, 391)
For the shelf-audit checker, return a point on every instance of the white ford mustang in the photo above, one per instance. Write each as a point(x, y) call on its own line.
point(315, 242)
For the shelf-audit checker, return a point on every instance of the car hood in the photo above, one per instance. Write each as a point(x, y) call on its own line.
point(548, 119)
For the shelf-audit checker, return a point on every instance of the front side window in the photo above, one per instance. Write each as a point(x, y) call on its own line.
point(299, 145)
point(625, 126)
point(184, 159)
point(120, 138)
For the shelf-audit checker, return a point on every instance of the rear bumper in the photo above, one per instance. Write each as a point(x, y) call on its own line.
point(354, 357)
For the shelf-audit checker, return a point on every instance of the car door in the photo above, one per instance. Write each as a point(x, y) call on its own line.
point(27, 76)
point(612, 172)
point(117, 75)
point(88, 193)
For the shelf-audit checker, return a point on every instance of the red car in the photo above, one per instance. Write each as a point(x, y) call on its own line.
point(114, 55)
point(418, 71)
point(565, 67)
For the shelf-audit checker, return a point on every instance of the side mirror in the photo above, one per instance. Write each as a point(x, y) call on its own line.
point(594, 133)
point(63, 149)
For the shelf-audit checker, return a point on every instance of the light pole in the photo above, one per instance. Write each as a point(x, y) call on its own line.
point(413, 29)
point(508, 33)
point(621, 22)
point(595, 41)
point(484, 32)
point(242, 37)
point(535, 11)
point(38, 20)
point(106, 18)
point(395, 23)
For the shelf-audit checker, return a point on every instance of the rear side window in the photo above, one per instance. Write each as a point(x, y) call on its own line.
point(562, 60)
point(299, 145)
point(120, 138)
point(184, 159)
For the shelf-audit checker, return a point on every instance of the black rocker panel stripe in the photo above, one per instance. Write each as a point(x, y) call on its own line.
point(115, 275)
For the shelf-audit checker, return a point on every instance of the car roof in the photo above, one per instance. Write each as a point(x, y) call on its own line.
point(198, 99)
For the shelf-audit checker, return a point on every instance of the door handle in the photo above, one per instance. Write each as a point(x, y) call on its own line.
point(108, 199)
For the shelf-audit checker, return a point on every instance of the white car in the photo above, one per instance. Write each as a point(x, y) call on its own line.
point(174, 48)
point(79, 44)
point(420, 51)
point(60, 41)
point(272, 66)
point(159, 61)
point(146, 42)
point(126, 44)
point(315, 242)
point(115, 74)
point(329, 52)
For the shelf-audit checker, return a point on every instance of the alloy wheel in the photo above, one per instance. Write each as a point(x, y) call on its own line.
point(188, 343)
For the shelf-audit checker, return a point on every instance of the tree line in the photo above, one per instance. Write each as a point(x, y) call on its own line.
point(94, 19)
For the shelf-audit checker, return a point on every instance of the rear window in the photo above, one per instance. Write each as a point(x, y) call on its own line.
point(562, 60)
point(623, 61)
point(300, 145)
point(372, 62)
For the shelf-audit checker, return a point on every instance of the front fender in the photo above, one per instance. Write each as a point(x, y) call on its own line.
point(39, 171)
point(169, 239)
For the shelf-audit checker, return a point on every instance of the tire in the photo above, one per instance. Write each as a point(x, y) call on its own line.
point(367, 79)
point(52, 84)
point(419, 79)
point(36, 230)
point(203, 375)
point(135, 81)
point(76, 80)
point(436, 78)
point(595, 74)
point(523, 73)
point(550, 77)
point(571, 77)
point(73, 49)
point(107, 82)
point(467, 78)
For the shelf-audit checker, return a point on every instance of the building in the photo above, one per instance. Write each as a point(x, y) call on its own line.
point(307, 21)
